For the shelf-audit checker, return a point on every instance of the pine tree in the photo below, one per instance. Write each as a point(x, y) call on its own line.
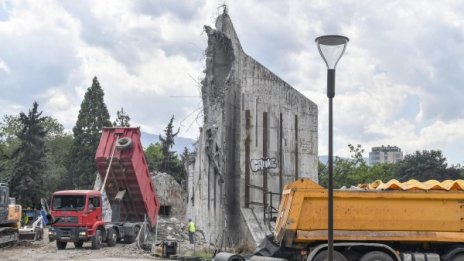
point(122, 119)
point(93, 116)
point(26, 182)
point(167, 142)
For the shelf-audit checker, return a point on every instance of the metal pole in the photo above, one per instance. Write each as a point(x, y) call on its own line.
point(330, 95)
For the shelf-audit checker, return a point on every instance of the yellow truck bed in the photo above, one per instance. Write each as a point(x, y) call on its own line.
point(412, 213)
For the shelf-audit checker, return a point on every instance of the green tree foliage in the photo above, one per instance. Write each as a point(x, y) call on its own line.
point(424, 166)
point(57, 157)
point(122, 119)
point(161, 158)
point(27, 183)
point(354, 171)
point(9, 130)
point(57, 147)
point(421, 166)
point(169, 156)
point(93, 116)
point(154, 156)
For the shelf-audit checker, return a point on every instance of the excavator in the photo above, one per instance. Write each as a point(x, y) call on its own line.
point(11, 213)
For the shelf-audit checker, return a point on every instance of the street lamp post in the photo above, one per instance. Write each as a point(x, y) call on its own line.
point(331, 48)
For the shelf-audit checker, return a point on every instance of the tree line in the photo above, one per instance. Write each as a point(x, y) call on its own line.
point(38, 157)
point(421, 165)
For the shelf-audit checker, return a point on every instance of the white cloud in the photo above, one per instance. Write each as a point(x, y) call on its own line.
point(399, 82)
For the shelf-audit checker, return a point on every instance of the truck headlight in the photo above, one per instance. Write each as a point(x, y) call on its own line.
point(82, 234)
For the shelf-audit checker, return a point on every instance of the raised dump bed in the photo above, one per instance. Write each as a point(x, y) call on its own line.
point(129, 186)
point(412, 212)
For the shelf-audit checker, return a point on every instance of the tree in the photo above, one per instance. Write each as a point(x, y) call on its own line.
point(167, 142)
point(10, 127)
point(354, 171)
point(57, 157)
point(424, 166)
point(160, 157)
point(26, 182)
point(57, 147)
point(154, 156)
point(93, 116)
point(122, 119)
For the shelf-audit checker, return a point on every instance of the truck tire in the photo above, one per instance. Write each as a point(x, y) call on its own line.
point(123, 143)
point(78, 244)
point(97, 240)
point(324, 255)
point(111, 237)
point(376, 256)
point(61, 244)
point(458, 257)
point(131, 239)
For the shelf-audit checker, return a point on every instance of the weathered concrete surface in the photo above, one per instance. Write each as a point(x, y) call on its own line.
point(259, 134)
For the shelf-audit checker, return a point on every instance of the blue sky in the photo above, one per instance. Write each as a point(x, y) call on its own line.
point(399, 83)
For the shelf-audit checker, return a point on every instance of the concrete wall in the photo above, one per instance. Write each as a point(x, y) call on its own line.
point(259, 134)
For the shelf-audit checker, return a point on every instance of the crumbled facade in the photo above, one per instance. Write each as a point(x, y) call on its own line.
point(259, 134)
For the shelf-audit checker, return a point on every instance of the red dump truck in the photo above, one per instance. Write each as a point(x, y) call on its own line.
point(124, 173)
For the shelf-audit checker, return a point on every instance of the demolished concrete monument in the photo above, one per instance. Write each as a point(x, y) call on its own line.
point(259, 134)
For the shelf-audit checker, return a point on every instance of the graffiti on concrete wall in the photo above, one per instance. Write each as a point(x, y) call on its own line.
point(262, 164)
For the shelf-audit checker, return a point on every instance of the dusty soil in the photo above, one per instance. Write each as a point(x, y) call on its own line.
point(44, 250)
point(169, 229)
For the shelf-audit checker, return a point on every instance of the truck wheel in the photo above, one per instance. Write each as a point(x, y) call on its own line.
point(97, 240)
point(112, 237)
point(131, 239)
point(376, 256)
point(61, 244)
point(458, 257)
point(324, 255)
point(124, 143)
point(78, 244)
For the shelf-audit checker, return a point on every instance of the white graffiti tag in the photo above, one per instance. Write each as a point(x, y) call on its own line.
point(261, 164)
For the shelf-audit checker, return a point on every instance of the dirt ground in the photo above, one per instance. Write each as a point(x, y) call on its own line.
point(45, 250)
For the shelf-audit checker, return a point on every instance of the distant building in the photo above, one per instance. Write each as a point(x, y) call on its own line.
point(385, 154)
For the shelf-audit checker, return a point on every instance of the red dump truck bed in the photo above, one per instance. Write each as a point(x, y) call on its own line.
point(129, 171)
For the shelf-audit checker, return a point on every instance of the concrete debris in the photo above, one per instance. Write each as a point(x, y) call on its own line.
point(171, 195)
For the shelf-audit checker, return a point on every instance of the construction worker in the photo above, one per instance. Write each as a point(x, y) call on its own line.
point(191, 230)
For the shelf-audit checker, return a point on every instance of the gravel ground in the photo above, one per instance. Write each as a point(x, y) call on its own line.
point(44, 250)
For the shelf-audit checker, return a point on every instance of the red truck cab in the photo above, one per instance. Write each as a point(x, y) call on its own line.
point(78, 218)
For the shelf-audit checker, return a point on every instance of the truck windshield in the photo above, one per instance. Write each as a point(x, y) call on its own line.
point(74, 203)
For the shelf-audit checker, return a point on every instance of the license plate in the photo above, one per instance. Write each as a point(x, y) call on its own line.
point(65, 238)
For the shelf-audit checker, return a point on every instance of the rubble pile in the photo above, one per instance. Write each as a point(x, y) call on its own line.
point(174, 230)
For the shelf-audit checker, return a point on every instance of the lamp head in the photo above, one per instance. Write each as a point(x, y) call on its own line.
point(331, 48)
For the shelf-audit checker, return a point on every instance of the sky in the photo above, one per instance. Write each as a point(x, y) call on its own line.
point(400, 81)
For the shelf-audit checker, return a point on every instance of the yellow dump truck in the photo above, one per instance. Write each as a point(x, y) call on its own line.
point(394, 221)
